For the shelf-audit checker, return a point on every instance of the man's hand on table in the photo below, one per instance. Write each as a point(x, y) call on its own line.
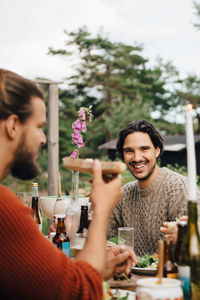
point(117, 261)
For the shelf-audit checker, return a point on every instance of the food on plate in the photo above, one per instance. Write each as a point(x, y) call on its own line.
point(85, 165)
point(122, 276)
point(112, 241)
point(147, 261)
point(108, 294)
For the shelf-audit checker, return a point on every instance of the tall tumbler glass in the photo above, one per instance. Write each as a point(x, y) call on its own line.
point(126, 237)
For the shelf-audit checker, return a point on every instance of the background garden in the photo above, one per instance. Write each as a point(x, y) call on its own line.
point(121, 85)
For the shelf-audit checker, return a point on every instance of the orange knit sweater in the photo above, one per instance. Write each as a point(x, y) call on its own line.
point(31, 267)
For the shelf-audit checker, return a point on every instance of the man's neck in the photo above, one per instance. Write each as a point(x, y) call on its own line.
point(145, 183)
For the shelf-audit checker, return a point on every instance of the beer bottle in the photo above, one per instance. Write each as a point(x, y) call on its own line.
point(170, 268)
point(35, 205)
point(83, 228)
point(182, 225)
point(189, 262)
point(61, 239)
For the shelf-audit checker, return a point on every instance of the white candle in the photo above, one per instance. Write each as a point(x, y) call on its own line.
point(191, 158)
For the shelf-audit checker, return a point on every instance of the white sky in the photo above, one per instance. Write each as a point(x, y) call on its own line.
point(29, 27)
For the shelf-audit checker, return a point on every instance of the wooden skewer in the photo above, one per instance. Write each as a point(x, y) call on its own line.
point(59, 186)
point(160, 262)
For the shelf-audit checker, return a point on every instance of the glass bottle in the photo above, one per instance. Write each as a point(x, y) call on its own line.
point(170, 269)
point(83, 228)
point(182, 225)
point(189, 262)
point(61, 239)
point(35, 205)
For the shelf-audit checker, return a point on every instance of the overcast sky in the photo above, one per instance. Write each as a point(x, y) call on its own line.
point(29, 27)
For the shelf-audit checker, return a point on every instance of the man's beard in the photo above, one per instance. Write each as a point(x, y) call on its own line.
point(147, 176)
point(24, 167)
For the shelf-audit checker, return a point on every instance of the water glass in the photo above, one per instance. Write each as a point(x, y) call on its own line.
point(126, 236)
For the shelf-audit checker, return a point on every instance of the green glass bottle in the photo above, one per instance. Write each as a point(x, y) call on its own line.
point(35, 206)
point(189, 262)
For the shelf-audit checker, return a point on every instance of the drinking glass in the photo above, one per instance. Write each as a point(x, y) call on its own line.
point(126, 237)
point(72, 219)
point(26, 197)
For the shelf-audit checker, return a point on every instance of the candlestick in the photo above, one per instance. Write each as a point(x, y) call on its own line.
point(59, 186)
point(191, 158)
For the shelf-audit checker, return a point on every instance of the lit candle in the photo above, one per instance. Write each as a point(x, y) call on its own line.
point(191, 158)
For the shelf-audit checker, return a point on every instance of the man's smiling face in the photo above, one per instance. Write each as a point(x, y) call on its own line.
point(140, 155)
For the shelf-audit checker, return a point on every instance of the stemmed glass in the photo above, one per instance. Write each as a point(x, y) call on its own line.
point(72, 219)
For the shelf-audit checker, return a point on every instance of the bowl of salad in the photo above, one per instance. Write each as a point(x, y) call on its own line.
point(147, 264)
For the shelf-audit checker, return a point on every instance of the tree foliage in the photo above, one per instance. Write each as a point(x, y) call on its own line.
point(116, 80)
point(197, 13)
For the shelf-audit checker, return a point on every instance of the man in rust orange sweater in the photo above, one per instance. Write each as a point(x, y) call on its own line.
point(30, 266)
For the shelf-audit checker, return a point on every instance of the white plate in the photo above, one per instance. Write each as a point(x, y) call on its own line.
point(143, 271)
point(122, 293)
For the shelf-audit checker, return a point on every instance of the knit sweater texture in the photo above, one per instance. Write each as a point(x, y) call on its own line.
point(31, 267)
point(146, 209)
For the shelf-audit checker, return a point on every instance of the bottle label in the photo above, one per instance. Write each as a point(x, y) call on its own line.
point(184, 277)
point(66, 248)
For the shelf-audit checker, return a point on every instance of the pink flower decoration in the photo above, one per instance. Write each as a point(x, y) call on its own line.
point(80, 142)
point(81, 114)
point(74, 154)
point(75, 137)
point(80, 126)
point(83, 126)
point(77, 125)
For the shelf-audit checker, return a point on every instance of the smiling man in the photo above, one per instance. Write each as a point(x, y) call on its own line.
point(158, 194)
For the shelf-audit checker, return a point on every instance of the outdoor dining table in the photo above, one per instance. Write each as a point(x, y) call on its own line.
point(125, 284)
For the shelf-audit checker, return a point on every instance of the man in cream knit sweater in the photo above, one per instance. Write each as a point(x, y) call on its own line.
point(158, 195)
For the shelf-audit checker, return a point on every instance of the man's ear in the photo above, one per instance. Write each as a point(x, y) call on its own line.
point(157, 152)
point(12, 125)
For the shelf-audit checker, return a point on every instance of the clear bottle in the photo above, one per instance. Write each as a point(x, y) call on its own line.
point(170, 269)
point(189, 262)
point(182, 226)
point(35, 205)
point(61, 239)
point(84, 222)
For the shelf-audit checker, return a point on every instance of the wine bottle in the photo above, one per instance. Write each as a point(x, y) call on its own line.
point(83, 228)
point(170, 267)
point(182, 225)
point(189, 262)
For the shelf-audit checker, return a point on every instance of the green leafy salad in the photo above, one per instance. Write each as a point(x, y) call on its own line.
point(147, 261)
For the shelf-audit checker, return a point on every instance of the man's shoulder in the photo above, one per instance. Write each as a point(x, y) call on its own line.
point(5, 191)
point(172, 175)
point(7, 196)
